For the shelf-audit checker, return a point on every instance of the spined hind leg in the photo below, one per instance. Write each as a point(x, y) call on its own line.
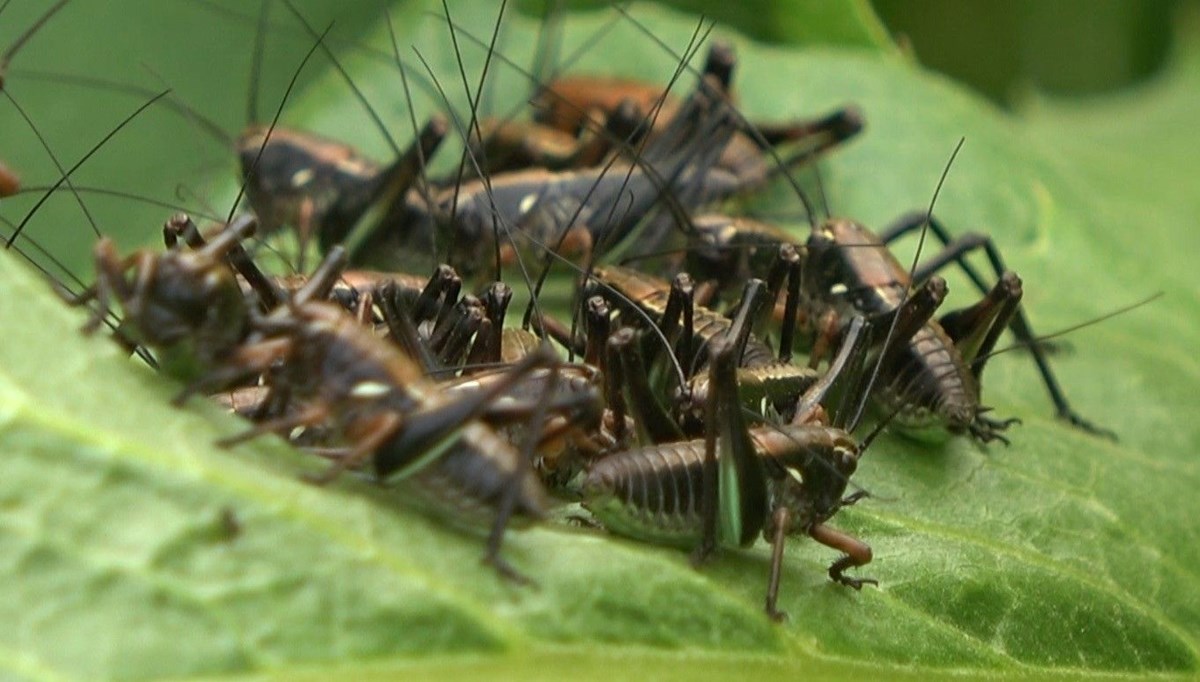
point(955, 251)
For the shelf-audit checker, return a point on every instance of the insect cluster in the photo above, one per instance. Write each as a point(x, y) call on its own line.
point(704, 410)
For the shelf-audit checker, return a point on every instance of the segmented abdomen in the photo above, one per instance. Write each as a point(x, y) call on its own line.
point(932, 383)
point(469, 481)
point(651, 494)
point(709, 324)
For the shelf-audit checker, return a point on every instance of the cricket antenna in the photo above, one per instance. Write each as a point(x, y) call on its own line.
point(548, 45)
point(550, 252)
point(883, 423)
point(866, 395)
point(256, 60)
point(65, 177)
point(743, 124)
point(131, 196)
point(358, 94)
point(821, 190)
point(203, 123)
point(4, 64)
point(498, 222)
point(422, 181)
point(54, 158)
point(274, 121)
point(623, 141)
point(24, 37)
point(1021, 345)
point(473, 125)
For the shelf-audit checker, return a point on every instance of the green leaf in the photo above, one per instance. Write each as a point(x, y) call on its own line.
point(134, 548)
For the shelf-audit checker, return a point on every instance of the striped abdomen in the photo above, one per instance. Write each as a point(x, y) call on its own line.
point(931, 381)
point(468, 481)
point(651, 493)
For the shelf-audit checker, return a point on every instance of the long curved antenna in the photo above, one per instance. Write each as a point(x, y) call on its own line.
point(291, 30)
point(862, 406)
point(422, 182)
point(553, 255)
point(65, 176)
point(1021, 345)
point(549, 43)
point(205, 124)
point(473, 125)
point(109, 317)
point(49, 256)
point(274, 121)
point(12, 50)
point(599, 128)
point(699, 36)
point(358, 94)
point(104, 191)
point(498, 219)
point(744, 124)
point(5, 61)
point(538, 82)
point(54, 158)
point(256, 59)
point(821, 191)
point(874, 433)
point(697, 39)
point(662, 185)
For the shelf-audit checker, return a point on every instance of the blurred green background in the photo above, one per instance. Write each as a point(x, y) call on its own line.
point(1003, 48)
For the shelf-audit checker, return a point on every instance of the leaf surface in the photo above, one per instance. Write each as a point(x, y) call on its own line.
point(134, 548)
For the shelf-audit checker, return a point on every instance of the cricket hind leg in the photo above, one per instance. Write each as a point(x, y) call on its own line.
point(856, 553)
point(955, 251)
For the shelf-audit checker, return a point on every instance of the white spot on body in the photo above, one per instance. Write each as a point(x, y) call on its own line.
point(795, 474)
point(370, 389)
point(527, 203)
point(467, 387)
point(302, 177)
point(212, 279)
